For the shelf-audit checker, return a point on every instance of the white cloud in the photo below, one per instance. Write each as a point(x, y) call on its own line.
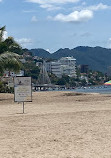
point(34, 19)
point(97, 7)
point(0, 0)
point(76, 16)
point(81, 13)
point(48, 50)
point(52, 4)
point(52, 1)
point(100, 6)
point(50, 7)
point(5, 35)
point(24, 41)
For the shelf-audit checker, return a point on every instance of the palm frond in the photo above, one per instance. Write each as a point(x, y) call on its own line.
point(12, 64)
point(9, 55)
point(10, 61)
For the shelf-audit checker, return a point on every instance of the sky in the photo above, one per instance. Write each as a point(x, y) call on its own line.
point(55, 24)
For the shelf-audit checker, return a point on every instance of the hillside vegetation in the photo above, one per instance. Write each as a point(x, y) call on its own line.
point(97, 58)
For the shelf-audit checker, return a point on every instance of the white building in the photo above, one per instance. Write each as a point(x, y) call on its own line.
point(56, 68)
point(66, 65)
point(70, 61)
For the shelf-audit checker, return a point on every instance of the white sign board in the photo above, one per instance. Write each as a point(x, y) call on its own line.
point(22, 89)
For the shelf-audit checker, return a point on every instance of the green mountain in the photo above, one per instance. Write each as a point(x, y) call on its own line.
point(97, 58)
point(40, 53)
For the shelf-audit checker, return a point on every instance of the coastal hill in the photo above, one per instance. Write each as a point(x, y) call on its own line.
point(40, 53)
point(97, 58)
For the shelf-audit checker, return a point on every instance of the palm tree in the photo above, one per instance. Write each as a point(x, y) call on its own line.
point(8, 60)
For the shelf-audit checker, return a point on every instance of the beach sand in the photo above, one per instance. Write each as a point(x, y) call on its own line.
point(56, 125)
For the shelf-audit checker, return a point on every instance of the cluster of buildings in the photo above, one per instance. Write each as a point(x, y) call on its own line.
point(65, 65)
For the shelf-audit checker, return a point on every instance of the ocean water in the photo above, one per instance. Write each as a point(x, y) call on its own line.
point(93, 89)
point(96, 89)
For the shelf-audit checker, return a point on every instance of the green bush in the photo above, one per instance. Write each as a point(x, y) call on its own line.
point(5, 89)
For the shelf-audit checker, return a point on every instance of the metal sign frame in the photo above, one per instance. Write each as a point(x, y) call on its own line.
point(19, 85)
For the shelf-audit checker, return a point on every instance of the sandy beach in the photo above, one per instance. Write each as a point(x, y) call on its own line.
point(56, 125)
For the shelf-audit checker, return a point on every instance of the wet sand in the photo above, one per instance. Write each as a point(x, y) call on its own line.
point(56, 125)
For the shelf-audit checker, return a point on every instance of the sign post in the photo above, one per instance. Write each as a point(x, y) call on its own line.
point(22, 90)
point(23, 107)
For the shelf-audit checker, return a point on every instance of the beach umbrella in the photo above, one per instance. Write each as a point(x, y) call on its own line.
point(107, 83)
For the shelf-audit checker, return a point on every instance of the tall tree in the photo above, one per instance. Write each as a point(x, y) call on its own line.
point(13, 46)
point(9, 60)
